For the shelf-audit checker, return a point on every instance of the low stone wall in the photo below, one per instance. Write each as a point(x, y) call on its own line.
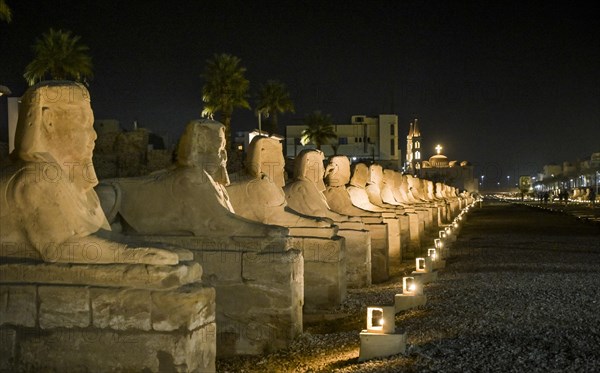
point(82, 318)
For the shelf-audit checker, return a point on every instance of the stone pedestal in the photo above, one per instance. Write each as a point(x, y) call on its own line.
point(259, 285)
point(414, 245)
point(379, 249)
point(324, 271)
point(358, 256)
point(394, 248)
point(373, 345)
point(71, 318)
point(404, 302)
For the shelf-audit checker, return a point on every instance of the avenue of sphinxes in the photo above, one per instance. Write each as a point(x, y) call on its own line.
point(257, 194)
point(183, 262)
point(257, 273)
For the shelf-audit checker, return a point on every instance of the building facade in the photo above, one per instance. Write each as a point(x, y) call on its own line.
point(364, 138)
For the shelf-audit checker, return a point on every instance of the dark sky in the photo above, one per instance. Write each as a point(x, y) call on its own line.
point(508, 86)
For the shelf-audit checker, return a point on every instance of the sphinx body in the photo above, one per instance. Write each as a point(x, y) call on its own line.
point(190, 198)
point(49, 209)
point(257, 193)
point(305, 193)
point(337, 176)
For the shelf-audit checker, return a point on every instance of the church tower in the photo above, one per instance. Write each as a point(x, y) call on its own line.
point(413, 148)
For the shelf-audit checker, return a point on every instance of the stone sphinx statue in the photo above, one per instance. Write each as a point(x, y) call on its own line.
point(189, 198)
point(257, 193)
point(337, 176)
point(49, 209)
point(358, 192)
point(305, 193)
point(375, 189)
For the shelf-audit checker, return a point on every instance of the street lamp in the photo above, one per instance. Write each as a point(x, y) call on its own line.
point(260, 111)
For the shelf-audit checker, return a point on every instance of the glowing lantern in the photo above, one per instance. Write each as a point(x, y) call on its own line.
point(432, 253)
point(381, 319)
point(420, 264)
point(374, 319)
point(409, 285)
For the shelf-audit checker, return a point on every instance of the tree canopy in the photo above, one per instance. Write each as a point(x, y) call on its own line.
point(225, 89)
point(273, 99)
point(5, 12)
point(319, 129)
point(60, 55)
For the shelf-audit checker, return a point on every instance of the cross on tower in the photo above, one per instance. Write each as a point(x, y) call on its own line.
point(438, 148)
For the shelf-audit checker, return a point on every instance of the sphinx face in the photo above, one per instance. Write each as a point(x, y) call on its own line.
point(375, 174)
point(337, 172)
point(313, 169)
point(388, 178)
point(360, 175)
point(405, 185)
point(214, 160)
point(271, 162)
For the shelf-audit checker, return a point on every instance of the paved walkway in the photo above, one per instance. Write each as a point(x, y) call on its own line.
point(521, 293)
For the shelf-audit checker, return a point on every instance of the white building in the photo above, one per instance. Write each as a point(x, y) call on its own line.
point(364, 138)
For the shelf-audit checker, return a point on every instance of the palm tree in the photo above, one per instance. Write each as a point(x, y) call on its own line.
point(273, 98)
point(59, 54)
point(319, 129)
point(225, 89)
point(5, 13)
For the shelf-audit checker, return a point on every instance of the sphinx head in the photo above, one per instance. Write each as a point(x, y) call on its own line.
point(203, 145)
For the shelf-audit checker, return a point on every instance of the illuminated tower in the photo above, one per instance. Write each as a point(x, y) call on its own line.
point(413, 148)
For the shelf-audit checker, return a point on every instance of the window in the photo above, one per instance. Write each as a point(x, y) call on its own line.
point(392, 129)
point(417, 144)
point(392, 147)
point(417, 155)
point(342, 140)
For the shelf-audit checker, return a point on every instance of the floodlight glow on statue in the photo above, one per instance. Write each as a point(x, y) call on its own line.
point(49, 209)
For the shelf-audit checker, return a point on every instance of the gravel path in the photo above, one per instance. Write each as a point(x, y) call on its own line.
point(521, 293)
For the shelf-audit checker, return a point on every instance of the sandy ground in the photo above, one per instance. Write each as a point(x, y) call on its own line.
point(521, 293)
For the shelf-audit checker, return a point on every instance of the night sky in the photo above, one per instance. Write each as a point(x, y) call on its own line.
point(508, 86)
